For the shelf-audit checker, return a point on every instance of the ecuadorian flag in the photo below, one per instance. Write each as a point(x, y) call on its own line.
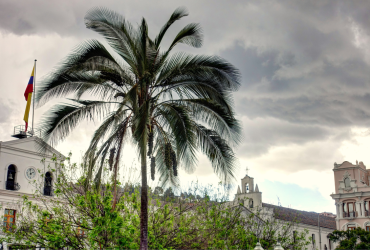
point(28, 96)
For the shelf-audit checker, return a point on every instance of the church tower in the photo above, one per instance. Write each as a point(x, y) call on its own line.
point(248, 193)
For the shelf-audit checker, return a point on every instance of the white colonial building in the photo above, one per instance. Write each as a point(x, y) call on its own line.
point(318, 225)
point(22, 167)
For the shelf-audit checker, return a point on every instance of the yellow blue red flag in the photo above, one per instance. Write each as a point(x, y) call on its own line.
point(28, 97)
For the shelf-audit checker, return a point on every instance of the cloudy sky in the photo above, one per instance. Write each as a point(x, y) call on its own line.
point(304, 101)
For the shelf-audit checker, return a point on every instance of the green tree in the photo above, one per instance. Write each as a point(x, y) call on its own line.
point(351, 239)
point(170, 104)
point(82, 218)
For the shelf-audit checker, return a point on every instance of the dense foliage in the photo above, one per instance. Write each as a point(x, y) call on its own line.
point(84, 219)
point(351, 239)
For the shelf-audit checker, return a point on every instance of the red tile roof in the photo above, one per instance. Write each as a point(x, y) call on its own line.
point(309, 218)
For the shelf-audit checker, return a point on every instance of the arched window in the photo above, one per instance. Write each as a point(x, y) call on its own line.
point(349, 209)
point(250, 203)
point(48, 184)
point(347, 182)
point(10, 178)
point(247, 188)
point(351, 226)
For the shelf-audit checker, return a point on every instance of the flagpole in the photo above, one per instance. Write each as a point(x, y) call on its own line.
point(34, 93)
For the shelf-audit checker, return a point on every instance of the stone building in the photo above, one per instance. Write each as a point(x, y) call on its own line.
point(352, 195)
point(318, 225)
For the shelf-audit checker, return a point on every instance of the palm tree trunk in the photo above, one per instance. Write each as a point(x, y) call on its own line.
point(144, 203)
point(115, 173)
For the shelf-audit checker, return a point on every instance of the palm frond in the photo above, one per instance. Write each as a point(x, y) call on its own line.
point(61, 119)
point(185, 66)
point(166, 175)
point(110, 124)
point(116, 30)
point(191, 35)
point(175, 119)
point(142, 45)
point(200, 89)
point(57, 86)
point(176, 15)
point(218, 152)
point(114, 140)
point(82, 53)
point(216, 116)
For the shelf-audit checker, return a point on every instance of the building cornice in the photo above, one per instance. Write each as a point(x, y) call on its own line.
point(15, 194)
point(351, 195)
point(8, 144)
point(24, 151)
point(349, 168)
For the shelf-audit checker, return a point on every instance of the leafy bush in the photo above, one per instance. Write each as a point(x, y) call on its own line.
point(82, 217)
point(351, 239)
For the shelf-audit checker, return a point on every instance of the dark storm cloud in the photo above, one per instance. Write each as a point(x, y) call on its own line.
point(342, 99)
point(42, 17)
point(256, 65)
point(352, 111)
point(262, 134)
point(303, 77)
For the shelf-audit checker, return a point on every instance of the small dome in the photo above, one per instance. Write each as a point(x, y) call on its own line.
point(258, 246)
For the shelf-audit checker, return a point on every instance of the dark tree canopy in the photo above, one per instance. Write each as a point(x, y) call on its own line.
point(351, 239)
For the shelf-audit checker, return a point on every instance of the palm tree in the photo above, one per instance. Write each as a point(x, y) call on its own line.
point(169, 105)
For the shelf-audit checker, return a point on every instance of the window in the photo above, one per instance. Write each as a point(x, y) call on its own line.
point(10, 179)
point(9, 219)
point(347, 182)
point(247, 188)
point(80, 231)
point(367, 228)
point(351, 227)
point(48, 184)
point(349, 209)
point(250, 203)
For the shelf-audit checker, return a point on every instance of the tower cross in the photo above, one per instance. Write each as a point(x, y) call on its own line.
point(247, 169)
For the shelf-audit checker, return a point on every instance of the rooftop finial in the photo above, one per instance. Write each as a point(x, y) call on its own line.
point(247, 169)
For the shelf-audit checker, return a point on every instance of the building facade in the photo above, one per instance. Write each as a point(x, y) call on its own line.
point(352, 195)
point(319, 226)
point(24, 170)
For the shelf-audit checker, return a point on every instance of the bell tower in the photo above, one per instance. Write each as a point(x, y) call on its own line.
point(249, 193)
point(247, 184)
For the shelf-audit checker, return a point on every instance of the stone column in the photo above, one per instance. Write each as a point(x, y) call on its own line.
point(363, 208)
point(358, 210)
point(337, 206)
point(341, 210)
